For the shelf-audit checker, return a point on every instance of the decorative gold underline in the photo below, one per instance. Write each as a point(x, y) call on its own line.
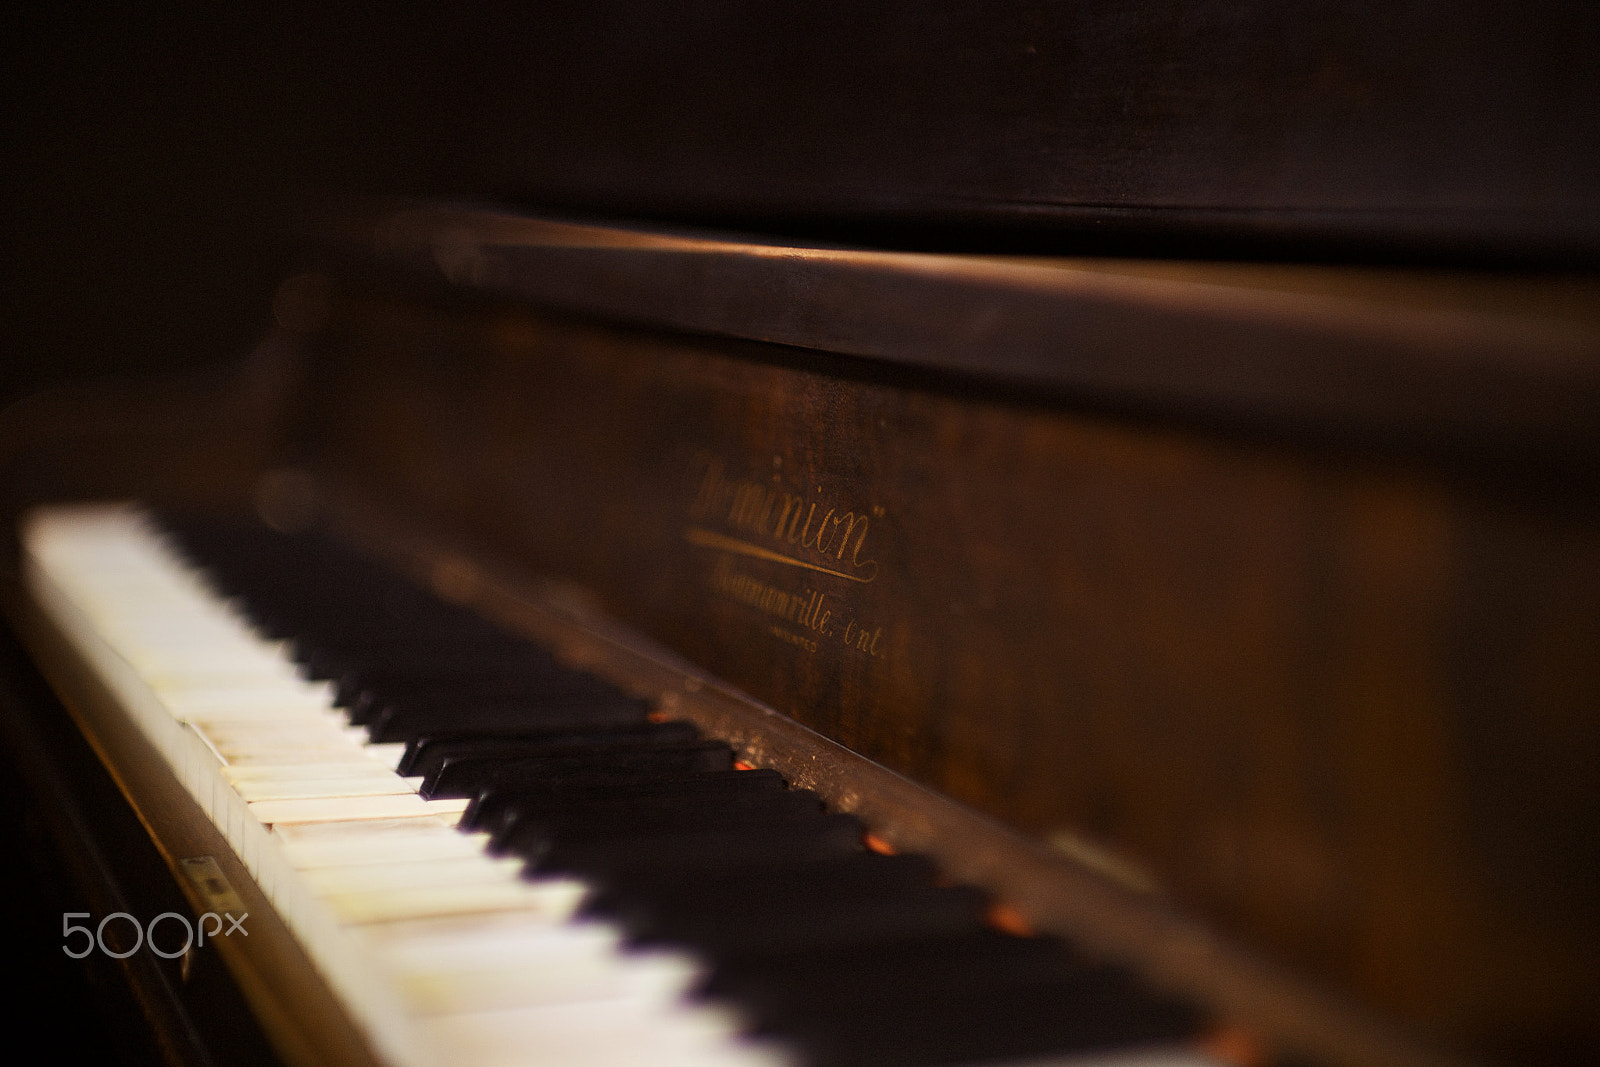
point(697, 535)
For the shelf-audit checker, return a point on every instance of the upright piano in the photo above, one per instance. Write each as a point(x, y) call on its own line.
point(1234, 624)
point(1228, 628)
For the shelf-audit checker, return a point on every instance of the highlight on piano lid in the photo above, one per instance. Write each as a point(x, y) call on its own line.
point(1016, 534)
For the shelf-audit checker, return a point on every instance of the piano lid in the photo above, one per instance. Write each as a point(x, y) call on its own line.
point(1432, 358)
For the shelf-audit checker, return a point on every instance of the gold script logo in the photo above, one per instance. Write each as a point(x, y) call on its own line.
point(770, 522)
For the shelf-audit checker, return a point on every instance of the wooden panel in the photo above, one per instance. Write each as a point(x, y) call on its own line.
point(1339, 705)
point(1477, 362)
point(1396, 126)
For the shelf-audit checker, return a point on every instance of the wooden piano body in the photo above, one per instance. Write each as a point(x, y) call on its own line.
point(1240, 621)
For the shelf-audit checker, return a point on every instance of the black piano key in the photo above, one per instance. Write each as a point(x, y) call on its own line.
point(364, 705)
point(807, 918)
point(406, 721)
point(902, 976)
point(597, 817)
point(608, 862)
point(465, 776)
point(464, 768)
point(534, 833)
point(425, 657)
point(315, 619)
point(982, 955)
point(327, 655)
point(684, 892)
point(425, 753)
point(473, 673)
point(647, 795)
point(496, 805)
point(839, 1003)
point(664, 906)
point(968, 1027)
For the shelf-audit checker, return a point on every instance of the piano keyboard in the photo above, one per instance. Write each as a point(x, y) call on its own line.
point(492, 858)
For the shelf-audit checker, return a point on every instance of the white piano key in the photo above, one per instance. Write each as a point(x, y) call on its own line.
point(218, 702)
point(428, 837)
point(389, 753)
point(283, 730)
point(481, 929)
point(556, 902)
point(600, 1032)
point(376, 877)
point(345, 809)
point(529, 973)
point(254, 742)
point(417, 929)
point(259, 770)
point(298, 787)
point(272, 756)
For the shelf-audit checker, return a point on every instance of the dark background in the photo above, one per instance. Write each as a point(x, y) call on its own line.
point(156, 161)
point(152, 160)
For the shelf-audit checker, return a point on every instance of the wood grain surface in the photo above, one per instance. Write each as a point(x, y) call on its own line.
point(1338, 704)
